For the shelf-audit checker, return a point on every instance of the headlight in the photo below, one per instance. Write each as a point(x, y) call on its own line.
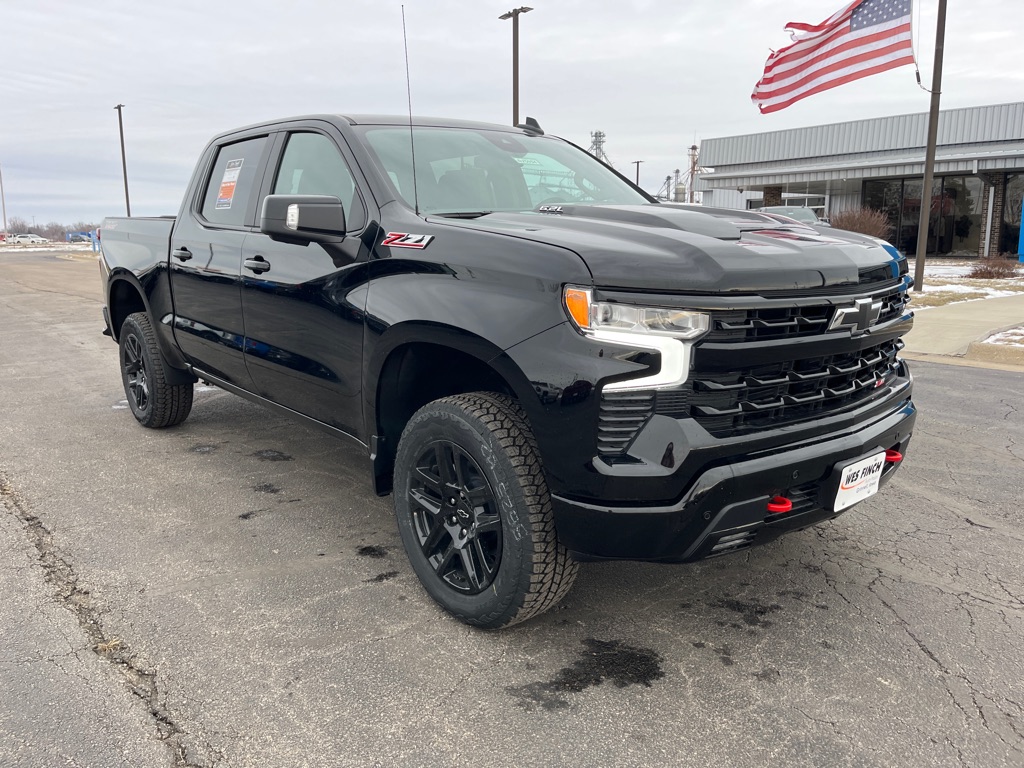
point(589, 315)
point(670, 332)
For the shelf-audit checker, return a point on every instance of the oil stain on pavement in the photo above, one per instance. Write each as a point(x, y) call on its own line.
point(603, 660)
point(271, 455)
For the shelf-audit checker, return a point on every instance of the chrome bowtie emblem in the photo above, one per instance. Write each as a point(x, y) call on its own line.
point(860, 317)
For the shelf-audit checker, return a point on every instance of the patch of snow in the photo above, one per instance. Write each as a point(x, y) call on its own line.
point(1011, 338)
point(946, 271)
point(990, 293)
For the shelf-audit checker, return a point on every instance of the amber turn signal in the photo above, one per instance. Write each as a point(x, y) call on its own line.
point(577, 303)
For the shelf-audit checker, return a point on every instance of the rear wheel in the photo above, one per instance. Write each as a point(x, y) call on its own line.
point(474, 511)
point(153, 401)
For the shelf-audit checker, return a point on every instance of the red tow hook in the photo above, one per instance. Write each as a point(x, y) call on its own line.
point(893, 456)
point(779, 504)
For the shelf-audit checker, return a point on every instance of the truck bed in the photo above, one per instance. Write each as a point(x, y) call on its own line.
point(136, 243)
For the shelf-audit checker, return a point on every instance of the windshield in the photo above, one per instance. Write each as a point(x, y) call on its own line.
point(473, 171)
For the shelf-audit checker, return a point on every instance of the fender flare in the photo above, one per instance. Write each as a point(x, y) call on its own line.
point(178, 369)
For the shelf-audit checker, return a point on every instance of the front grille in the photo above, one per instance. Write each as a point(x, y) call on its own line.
point(622, 416)
point(769, 323)
point(775, 394)
point(772, 361)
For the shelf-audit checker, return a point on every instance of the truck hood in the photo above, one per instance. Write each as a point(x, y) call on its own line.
point(658, 248)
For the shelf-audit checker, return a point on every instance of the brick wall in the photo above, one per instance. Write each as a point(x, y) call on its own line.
point(772, 196)
point(998, 191)
point(986, 193)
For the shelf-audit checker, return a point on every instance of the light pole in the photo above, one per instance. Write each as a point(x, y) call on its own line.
point(637, 164)
point(514, 15)
point(124, 163)
point(3, 200)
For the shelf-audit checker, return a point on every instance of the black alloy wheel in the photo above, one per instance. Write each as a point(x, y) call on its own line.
point(455, 516)
point(474, 511)
point(154, 402)
point(136, 381)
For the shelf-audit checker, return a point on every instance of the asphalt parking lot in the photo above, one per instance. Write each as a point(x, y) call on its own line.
point(230, 592)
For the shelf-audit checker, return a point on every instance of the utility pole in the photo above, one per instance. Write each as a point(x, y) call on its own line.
point(514, 15)
point(637, 164)
point(929, 155)
point(124, 164)
point(3, 200)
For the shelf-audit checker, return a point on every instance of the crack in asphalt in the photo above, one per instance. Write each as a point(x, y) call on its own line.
point(59, 573)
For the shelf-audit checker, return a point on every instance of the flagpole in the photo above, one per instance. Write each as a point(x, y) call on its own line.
point(929, 155)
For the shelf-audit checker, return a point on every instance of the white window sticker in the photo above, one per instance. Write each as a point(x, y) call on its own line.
point(227, 183)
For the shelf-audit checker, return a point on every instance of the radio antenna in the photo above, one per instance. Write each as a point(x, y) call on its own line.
point(408, 91)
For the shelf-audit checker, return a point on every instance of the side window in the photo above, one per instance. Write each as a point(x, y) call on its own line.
point(312, 165)
point(232, 182)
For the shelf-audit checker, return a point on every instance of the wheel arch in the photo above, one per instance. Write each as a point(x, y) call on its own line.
point(125, 296)
point(414, 364)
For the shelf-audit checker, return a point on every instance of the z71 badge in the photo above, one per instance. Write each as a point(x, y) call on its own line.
point(406, 240)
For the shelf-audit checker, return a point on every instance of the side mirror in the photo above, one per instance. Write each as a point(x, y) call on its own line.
point(303, 218)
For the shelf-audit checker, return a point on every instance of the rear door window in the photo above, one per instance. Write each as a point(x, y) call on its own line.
point(233, 181)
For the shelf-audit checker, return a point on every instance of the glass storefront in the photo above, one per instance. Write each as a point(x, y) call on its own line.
point(955, 221)
point(1012, 204)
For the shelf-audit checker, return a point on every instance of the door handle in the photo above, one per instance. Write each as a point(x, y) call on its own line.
point(182, 254)
point(257, 264)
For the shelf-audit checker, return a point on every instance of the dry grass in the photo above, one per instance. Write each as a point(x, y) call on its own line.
point(978, 289)
point(864, 220)
point(940, 299)
point(994, 269)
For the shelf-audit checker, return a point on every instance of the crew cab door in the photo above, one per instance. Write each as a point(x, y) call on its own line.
point(206, 259)
point(303, 302)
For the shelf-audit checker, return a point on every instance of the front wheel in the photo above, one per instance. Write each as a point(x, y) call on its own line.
point(153, 401)
point(474, 511)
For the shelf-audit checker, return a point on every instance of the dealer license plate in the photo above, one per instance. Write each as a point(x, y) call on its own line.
point(859, 481)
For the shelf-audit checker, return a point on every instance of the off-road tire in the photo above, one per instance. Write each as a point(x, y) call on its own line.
point(534, 571)
point(153, 402)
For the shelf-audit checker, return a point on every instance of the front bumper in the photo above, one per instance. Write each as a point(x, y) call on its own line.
point(725, 508)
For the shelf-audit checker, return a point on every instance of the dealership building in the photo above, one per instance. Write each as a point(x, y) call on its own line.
point(879, 163)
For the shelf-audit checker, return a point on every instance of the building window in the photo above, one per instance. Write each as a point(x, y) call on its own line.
point(955, 221)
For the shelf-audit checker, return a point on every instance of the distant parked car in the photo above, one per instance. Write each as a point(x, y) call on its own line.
point(29, 238)
point(798, 212)
point(78, 237)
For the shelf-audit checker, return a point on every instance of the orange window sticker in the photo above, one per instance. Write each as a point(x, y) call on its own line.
point(228, 182)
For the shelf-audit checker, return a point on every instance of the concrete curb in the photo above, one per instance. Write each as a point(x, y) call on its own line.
point(963, 362)
point(996, 353)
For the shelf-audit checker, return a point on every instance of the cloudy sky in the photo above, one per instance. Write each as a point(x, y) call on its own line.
point(652, 74)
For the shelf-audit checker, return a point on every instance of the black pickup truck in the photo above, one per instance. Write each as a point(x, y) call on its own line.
point(543, 364)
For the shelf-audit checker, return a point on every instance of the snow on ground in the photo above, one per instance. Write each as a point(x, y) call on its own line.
point(1012, 338)
point(990, 293)
point(946, 270)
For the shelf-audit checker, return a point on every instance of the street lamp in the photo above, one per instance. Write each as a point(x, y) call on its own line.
point(3, 200)
point(514, 15)
point(124, 164)
point(637, 164)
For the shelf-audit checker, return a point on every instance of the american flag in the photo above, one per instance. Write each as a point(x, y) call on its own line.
point(864, 38)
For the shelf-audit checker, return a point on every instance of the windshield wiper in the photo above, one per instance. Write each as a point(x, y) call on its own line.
point(464, 214)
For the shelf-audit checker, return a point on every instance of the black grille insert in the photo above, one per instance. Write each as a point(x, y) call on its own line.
point(765, 323)
point(772, 395)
